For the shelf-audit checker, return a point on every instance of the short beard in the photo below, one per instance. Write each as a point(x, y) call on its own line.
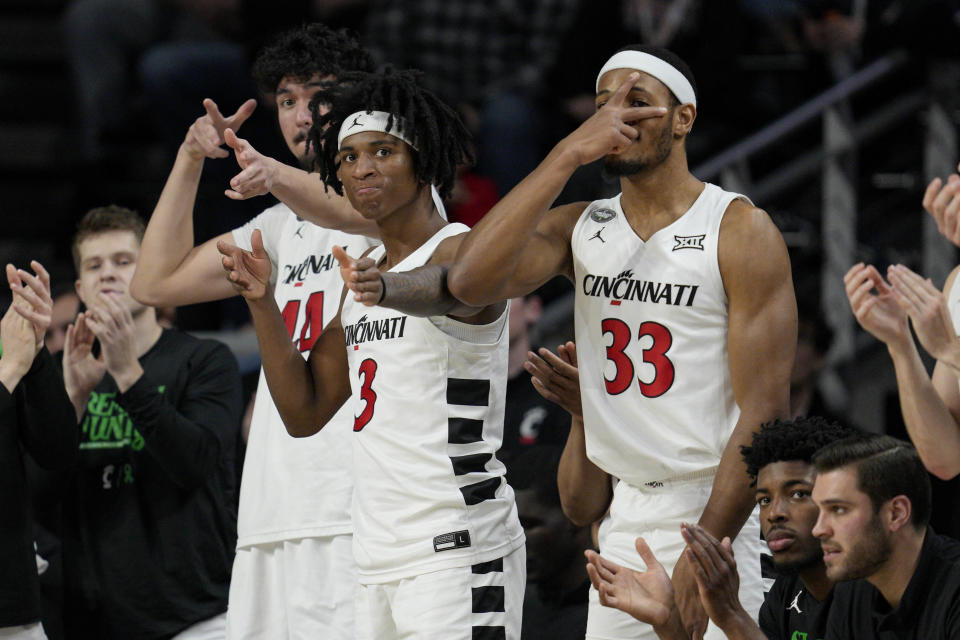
point(663, 146)
point(867, 556)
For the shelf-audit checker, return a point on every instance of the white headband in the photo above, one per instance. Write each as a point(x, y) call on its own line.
point(656, 67)
point(372, 121)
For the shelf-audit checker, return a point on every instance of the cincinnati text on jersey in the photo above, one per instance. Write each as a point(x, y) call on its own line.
point(385, 329)
point(311, 264)
point(624, 287)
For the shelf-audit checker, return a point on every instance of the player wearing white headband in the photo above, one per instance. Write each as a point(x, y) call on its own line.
point(436, 535)
point(685, 323)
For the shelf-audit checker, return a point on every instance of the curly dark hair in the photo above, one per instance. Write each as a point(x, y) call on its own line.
point(441, 139)
point(309, 50)
point(789, 440)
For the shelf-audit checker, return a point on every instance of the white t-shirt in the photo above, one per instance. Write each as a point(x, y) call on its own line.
point(297, 487)
point(651, 326)
point(428, 399)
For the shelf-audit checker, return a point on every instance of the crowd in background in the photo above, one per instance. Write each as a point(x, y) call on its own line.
point(521, 75)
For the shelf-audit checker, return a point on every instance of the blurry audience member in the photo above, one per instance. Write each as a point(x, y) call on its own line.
point(149, 514)
point(874, 498)
point(555, 603)
point(490, 59)
point(529, 419)
point(886, 308)
point(814, 337)
point(36, 417)
point(66, 304)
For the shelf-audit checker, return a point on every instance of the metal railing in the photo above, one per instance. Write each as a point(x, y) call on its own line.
point(835, 161)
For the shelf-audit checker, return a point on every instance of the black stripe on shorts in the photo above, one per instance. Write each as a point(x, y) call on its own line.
point(488, 599)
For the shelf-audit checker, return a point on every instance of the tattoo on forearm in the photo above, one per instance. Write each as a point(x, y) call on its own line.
point(420, 292)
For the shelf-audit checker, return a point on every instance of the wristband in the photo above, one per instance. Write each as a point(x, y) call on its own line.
point(383, 289)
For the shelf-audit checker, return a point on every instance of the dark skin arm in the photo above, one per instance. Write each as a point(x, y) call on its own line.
point(419, 292)
point(519, 244)
point(307, 393)
point(762, 331)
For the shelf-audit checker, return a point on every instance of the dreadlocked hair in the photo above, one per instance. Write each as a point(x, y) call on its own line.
point(307, 51)
point(791, 440)
point(441, 138)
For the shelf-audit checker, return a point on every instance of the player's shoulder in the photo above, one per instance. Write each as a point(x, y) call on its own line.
point(745, 227)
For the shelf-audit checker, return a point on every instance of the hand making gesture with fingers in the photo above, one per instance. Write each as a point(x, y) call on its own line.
point(361, 276)
point(248, 271)
point(32, 298)
point(556, 377)
point(942, 201)
point(257, 171)
point(613, 127)
point(927, 308)
point(879, 313)
point(205, 137)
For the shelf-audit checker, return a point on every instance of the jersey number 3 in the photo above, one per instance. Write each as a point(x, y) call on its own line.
point(367, 372)
point(655, 354)
point(312, 320)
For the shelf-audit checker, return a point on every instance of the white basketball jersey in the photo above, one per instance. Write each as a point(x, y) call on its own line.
point(428, 397)
point(297, 487)
point(651, 327)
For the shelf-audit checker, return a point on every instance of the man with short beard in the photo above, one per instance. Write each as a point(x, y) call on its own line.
point(798, 602)
point(874, 498)
point(685, 321)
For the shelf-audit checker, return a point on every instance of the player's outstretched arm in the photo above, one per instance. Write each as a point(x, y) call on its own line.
point(584, 487)
point(303, 192)
point(755, 269)
point(719, 582)
point(306, 393)
point(171, 271)
point(930, 407)
point(518, 245)
point(645, 595)
point(419, 292)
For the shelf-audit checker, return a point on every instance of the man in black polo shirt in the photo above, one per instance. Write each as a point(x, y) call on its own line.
point(779, 459)
point(874, 498)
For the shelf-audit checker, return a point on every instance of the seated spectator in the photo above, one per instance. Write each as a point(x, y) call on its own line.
point(149, 523)
point(36, 417)
point(874, 499)
point(555, 602)
point(780, 460)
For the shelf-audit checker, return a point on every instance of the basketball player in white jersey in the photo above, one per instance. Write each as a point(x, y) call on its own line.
point(436, 536)
point(685, 324)
point(294, 572)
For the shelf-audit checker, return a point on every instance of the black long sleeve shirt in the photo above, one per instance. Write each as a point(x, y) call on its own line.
point(36, 417)
point(150, 516)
